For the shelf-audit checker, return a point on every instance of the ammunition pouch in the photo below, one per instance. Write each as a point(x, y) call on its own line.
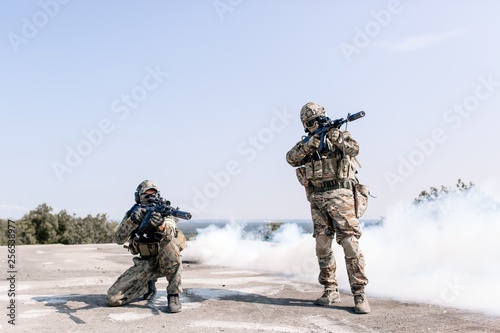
point(301, 177)
point(181, 240)
point(152, 249)
point(331, 166)
point(144, 249)
point(148, 249)
point(361, 193)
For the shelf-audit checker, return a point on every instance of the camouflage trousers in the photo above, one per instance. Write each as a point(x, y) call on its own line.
point(133, 282)
point(333, 216)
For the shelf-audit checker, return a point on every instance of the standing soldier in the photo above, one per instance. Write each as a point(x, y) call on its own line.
point(328, 174)
point(159, 251)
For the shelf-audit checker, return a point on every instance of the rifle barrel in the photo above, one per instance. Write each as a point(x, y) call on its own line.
point(181, 214)
point(356, 116)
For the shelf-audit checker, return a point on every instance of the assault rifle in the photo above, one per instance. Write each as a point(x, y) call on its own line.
point(163, 207)
point(326, 124)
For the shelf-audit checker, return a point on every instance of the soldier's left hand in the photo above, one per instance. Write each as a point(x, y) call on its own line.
point(156, 219)
point(165, 228)
point(333, 134)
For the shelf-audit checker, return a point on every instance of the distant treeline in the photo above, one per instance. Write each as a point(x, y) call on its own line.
point(42, 226)
point(434, 193)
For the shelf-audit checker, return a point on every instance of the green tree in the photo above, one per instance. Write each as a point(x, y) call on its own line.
point(91, 229)
point(64, 222)
point(43, 223)
point(3, 232)
point(41, 226)
point(25, 232)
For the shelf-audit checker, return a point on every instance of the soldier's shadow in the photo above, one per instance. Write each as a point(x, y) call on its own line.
point(204, 294)
point(72, 304)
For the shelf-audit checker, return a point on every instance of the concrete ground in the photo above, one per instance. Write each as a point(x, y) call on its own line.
point(62, 288)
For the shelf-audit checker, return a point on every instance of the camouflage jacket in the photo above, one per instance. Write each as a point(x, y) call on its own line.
point(125, 229)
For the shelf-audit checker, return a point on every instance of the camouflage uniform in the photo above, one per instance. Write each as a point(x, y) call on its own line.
point(328, 177)
point(133, 282)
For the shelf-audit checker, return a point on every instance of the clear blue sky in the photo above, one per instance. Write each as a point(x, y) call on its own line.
point(203, 98)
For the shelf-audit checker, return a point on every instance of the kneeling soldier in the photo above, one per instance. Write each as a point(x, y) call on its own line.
point(159, 249)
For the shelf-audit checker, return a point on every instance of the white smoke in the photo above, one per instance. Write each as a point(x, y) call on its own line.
point(290, 251)
point(443, 252)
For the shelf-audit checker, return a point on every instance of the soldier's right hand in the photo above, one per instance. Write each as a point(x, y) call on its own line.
point(138, 215)
point(313, 143)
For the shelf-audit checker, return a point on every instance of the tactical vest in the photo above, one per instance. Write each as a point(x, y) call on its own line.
point(144, 249)
point(152, 248)
point(330, 165)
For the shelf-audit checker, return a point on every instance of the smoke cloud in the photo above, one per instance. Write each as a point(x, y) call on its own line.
point(444, 252)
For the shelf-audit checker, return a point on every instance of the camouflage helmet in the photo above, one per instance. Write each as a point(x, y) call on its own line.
point(311, 111)
point(143, 187)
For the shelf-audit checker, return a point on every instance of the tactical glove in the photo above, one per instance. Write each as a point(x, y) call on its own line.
point(165, 229)
point(313, 144)
point(156, 219)
point(333, 135)
point(138, 215)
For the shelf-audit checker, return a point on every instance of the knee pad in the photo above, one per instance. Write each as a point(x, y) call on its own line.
point(351, 246)
point(323, 245)
point(115, 300)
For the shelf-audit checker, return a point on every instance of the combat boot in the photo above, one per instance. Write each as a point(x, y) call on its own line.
point(151, 290)
point(329, 296)
point(174, 303)
point(361, 305)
